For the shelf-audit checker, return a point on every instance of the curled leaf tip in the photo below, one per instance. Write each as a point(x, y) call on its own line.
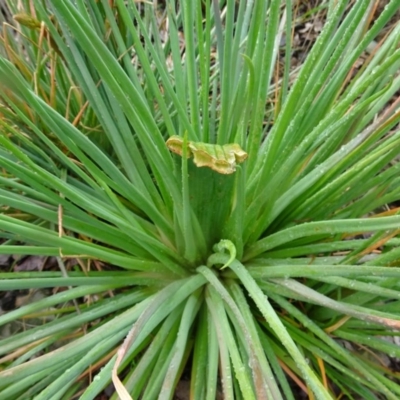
point(223, 245)
point(175, 144)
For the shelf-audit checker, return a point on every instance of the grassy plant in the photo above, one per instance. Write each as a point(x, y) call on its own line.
point(246, 260)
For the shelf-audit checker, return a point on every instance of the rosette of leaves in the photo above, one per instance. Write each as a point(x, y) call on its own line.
point(260, 260)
